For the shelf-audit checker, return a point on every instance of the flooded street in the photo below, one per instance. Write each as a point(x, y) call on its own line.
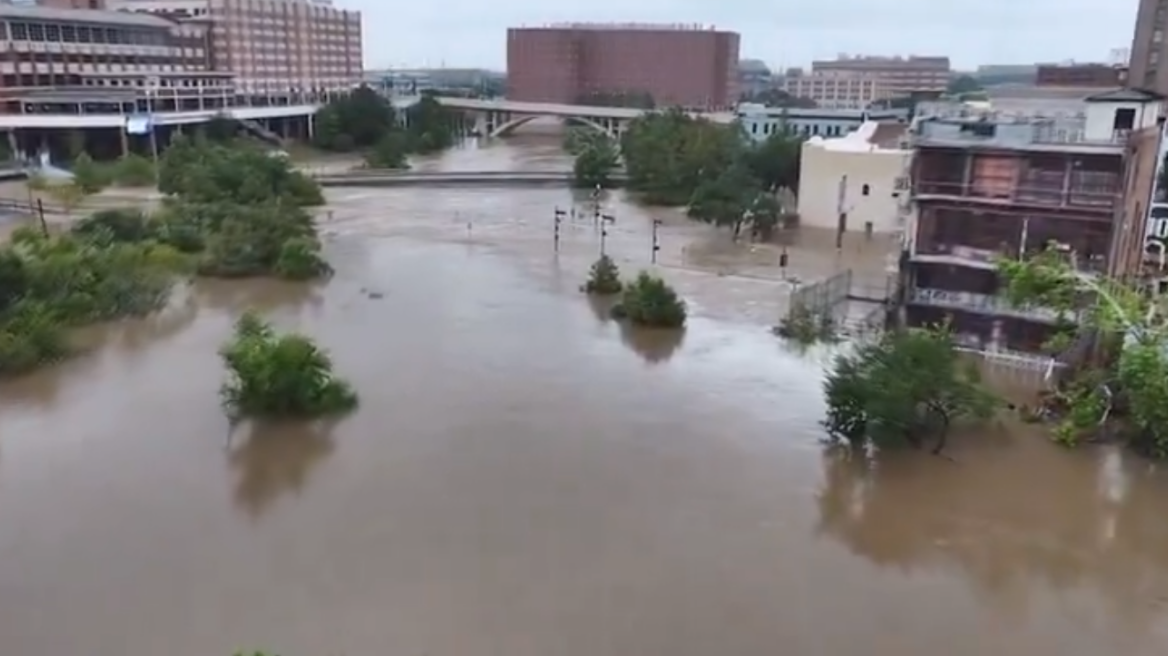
point(526, 478)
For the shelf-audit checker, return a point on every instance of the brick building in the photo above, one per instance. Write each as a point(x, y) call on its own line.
point(678, 65)
point(1099, 76)
point(274, 48)
point(989, 187)
point(896, 76)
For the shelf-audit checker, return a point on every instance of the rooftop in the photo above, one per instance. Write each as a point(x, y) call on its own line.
point(92, 16)
point(1016, 133)
point(871, 136)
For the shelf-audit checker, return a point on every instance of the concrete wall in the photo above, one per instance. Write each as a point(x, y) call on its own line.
point(868, 194)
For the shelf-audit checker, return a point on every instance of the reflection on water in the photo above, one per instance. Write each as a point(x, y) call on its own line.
point(653, 344)
point(271, 460)
point(1079, 524)
point(518, 482)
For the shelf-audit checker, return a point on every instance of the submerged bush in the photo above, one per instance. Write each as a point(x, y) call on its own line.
point(48, 284)
point(648, 301)
point(603, 278)
point(279, 375)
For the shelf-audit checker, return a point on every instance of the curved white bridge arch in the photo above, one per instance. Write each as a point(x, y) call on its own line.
point(507, 127)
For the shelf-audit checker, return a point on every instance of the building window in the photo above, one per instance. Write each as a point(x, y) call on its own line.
point(1154, 58)
point(1157, 35)
point(865, 190)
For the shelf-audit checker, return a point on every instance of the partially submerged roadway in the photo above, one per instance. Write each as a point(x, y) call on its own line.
point(372, 178)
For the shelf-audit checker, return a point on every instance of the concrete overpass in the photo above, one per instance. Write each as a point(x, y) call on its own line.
point(496, 118)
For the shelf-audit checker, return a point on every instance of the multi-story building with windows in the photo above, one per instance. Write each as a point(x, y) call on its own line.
point(834, 90)
point(898, 76)
point(275, 48)
point(78, 61)
point(990, 186)
point(1099, 76)
point(677, 65)
point(1148, 67)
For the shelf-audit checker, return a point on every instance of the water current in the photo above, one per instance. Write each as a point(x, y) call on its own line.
point(527, 478)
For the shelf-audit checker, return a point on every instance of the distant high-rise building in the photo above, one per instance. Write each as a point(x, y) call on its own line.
point(1148, 67)
point(677, 65)
point(897, 76)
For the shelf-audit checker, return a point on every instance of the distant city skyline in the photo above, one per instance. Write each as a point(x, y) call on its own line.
point(464, 34)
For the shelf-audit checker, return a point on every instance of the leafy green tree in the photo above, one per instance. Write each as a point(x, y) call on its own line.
point(87, 175)
point(963, 84)
point(133, 170)
point(906, 389)
point(775, 161)
point(594, 165)
point(391, 151)
point(279, 375)
point(430, 125)
point(726, 200)
point(221, 129)
point(356, 121)
point(1133, 382)
point(669, 154)
point(650, 302)
point(603, 278)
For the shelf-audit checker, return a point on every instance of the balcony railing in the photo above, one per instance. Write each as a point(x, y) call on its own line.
point(984, 304)
point(1093, 197)
point(1014, 132)
point(982, 258)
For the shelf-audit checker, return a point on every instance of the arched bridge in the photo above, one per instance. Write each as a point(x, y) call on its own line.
point(496, 118)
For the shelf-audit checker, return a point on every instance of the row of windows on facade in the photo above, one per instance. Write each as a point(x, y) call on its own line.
point(190, 56)
point(1158, 25)
point(66, 33)
point(806, 129)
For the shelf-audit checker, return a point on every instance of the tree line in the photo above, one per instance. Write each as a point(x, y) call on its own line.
point(229, 211)
point(717, 172)
point(366, 122)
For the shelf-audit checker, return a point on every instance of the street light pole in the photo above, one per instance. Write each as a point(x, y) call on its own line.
point(557, 220)
point(605, 219)
point(656, 243)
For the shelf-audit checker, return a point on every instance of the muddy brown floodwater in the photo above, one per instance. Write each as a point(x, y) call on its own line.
point(524, 478)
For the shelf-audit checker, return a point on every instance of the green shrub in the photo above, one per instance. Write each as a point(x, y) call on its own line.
point(603, 278)
point(133, 170)
point(648, 301)
point(275, 375)
point(88, 176)
point(300, 259)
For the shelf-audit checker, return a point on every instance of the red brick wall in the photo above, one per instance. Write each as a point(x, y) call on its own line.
point(691, 68)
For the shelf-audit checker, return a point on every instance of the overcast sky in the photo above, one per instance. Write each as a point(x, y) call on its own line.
point(472, 33)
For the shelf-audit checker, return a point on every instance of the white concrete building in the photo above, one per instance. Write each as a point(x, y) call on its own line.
point(861, 177)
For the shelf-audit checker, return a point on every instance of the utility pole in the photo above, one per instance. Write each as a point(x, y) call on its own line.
point(605, 219)
point(656, 243)
point(557, 220)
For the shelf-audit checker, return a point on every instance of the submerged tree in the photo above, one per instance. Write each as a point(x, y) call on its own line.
point(650, 302)
point(279, 375)
point(594, 165)
point(603, 278)
point(906, 389)
point(1133, 380)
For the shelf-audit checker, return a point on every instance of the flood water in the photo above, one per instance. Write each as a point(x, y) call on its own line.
point(526, 478)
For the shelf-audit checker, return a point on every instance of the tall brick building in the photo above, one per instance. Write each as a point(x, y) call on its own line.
point(678, 65)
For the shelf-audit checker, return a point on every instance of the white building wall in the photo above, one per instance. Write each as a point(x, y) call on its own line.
point(871, 179)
